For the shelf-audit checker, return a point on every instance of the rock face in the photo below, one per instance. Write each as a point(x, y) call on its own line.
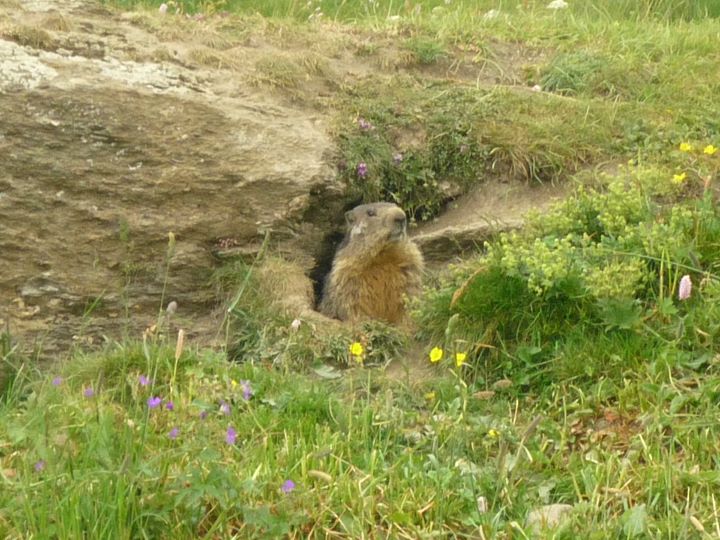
point(101, 157)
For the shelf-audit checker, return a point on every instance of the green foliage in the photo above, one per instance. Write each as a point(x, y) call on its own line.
point(603, 266)
point(412, 143)
point(424, 51)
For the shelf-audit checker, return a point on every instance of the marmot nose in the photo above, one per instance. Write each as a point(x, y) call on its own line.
point(399, 216)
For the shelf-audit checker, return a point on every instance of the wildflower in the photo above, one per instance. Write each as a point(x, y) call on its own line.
point(144, 381)
point(154, 402)
point(203, 415)
point(430, 396)
point(233, 383)
point(174, 432)
point(295, 324)
point(163, 9)
point(170, 406)
point(685, 288)
point(460, 358)
point(364, 124)
point(246, 390)
point(686, 147)
point(57, 381)
point(436, 354)
point(171, 307)
point(679, 178)
point(40, 465)
point(397, 158)
point(709, 150)
point(356, 349)
point(288, 486)
point(231, 435)
point(225, 408)
point(362, 169)
point(492, 434)
point(88, 392)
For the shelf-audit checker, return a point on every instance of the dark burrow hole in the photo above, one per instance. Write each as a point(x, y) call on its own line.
point(323, 263)
point(335, 217)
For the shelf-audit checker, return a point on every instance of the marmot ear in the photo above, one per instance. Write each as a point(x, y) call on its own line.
point(349, 217)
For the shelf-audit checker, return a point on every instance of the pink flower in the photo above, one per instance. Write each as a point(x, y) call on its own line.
point(154, 402)
point(288, 486)
point(174, 432)
point(685, 288)
point(230, 436)
point(225, 408)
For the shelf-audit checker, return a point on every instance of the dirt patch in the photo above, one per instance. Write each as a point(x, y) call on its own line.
point(478, 216)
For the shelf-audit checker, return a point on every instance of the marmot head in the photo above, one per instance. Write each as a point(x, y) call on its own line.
point(377, 220)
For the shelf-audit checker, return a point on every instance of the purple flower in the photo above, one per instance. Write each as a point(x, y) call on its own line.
point(364, 124)
point(225, 408)
point(154, 402)
point(144, 381)
point(40, 465)
point(88, 392)
point(288, 486)
point(246, 390)
point(174, 432)
point(362, 169)
point(170, 406)
point(203, 415)
point(231, 435)
point(685, 288)
point(57, 381)
point(397, 158)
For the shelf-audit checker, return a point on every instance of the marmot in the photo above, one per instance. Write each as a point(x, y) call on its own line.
point(375, 266)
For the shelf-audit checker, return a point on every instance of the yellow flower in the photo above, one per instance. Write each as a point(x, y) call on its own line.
point(709, 150)
point(492, 434)
point(436, 354)
point(679, 178)
point(356, 349)
point(233, 383)
point(686, 147)
point(430, 396)
point(460, 358)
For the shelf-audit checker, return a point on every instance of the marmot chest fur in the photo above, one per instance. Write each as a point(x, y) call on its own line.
point(375, 267)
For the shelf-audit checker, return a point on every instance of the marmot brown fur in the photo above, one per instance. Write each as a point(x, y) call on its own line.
point(374, 268)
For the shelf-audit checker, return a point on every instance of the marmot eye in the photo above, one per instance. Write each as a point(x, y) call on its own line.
point(371, 212)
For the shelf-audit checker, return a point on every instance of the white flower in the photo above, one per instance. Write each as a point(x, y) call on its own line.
point(685, 288)
point(536, 88)
point(492, 14)
point(295, 324)
point(162, 9)
point(557, 4)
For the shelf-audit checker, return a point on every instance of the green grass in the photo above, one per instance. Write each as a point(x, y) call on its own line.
point(449, 90)
point(586, 381)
